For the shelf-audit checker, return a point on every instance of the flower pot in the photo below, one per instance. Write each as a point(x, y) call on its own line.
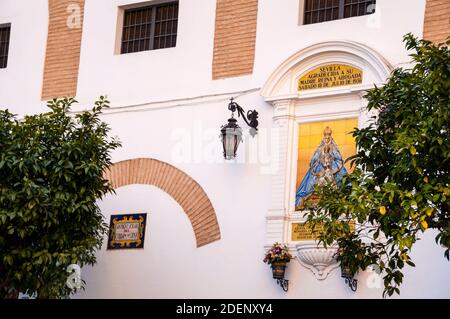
point(278, 269)
point(346, 272)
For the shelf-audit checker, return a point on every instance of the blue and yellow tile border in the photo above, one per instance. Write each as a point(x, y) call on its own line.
point(141, 218)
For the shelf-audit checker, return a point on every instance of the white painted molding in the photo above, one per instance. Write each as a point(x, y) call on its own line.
point(279, 216)
point(291, 109)
point(319, 260)
point(281, 121)
point(281, 85)
point(360, 90)
point(205, 100)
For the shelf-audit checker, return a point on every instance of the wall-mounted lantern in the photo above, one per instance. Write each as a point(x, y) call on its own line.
point(231, 133)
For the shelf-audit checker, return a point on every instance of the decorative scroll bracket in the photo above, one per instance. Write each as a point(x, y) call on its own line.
point(284, 284)
point(352, 283)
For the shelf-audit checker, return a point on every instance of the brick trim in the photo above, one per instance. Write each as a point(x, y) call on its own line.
point(62, 57)
point(437, 21)
point(180, 186)
point(234, 38)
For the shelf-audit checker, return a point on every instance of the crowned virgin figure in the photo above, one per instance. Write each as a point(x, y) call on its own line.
point(326, 167)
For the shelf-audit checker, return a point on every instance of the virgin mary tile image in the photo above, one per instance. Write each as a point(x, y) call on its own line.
point(321, 157)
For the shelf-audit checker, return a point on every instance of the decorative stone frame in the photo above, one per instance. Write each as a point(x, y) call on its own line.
point(291, 109)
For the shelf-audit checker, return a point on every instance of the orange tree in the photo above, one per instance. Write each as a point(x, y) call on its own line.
point(51, 174)
point(400, 186)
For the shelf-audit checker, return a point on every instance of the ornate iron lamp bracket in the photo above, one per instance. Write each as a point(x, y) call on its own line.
point(251, 118)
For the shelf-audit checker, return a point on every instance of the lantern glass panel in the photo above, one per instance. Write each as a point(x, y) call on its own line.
point(231, 140)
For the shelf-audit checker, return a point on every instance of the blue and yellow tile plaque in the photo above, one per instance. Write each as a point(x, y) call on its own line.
point(127, 231)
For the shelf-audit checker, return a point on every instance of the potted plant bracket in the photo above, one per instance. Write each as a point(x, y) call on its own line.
point(349, 277)
point(278, 257)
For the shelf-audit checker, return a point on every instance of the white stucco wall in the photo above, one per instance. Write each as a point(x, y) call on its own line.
point(21, 81)
point(184, 71)
point(171, 266)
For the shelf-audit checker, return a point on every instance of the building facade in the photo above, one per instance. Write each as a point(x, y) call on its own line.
point(169, 69)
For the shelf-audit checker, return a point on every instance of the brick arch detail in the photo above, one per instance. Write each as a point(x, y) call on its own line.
point(180, 186)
